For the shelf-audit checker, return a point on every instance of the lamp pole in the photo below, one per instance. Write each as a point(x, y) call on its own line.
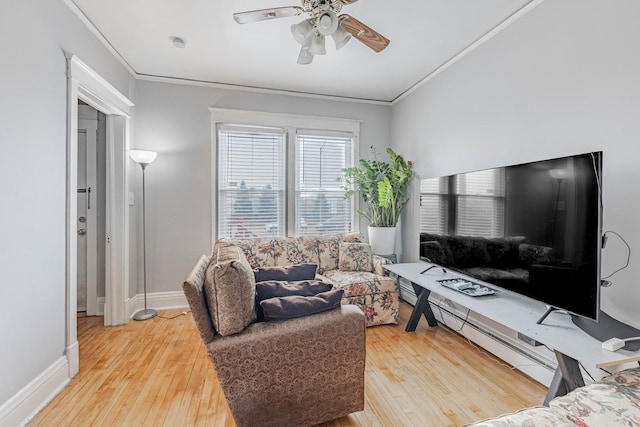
point(144, 158)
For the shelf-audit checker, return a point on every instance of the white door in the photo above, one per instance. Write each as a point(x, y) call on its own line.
point(87, 211)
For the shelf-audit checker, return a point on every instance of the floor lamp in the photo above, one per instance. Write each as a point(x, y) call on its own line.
point(144, 158)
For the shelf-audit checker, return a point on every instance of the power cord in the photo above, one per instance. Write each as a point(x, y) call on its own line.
point(184, 313)
point(628, 252)
point(464, 322)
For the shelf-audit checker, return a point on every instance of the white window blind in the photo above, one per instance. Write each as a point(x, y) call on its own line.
point(251, 181)
point(480, 203)
point(320, 206)
point(434, 216)
point(470, 204)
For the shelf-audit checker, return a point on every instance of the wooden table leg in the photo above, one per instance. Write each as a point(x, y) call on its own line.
point(566, 378)
point(422, 307)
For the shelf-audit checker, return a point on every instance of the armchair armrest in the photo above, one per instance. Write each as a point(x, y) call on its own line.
point(319, 359)
point(378, 262)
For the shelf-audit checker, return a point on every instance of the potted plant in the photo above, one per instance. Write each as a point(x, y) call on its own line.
point(383, 187)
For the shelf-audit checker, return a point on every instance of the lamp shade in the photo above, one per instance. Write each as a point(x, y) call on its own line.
point(305, 57)
point(327, 22)
point(317, 45)
point(302, 32)
point(559, 174)
point(143, 156)
point(340, 37)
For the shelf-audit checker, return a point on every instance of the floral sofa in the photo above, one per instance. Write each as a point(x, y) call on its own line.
point(613, 401)
point(365, 282)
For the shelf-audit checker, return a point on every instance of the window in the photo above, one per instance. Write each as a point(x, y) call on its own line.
point(251, 181)
point(277, 175)
point(320, 203)
point(470, 204)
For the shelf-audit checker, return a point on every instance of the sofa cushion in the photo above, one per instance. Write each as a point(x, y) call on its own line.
point(355, 257)
point(294, 250)
point(540, 416)
point(600, 404)
point(329, 249)
point(356, 283)
point(230, 289)
point(276, 288)
point(288, 273)
point(288, 307)
point(258, 252)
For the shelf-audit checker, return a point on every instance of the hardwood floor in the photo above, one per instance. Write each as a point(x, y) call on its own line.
point(156, 373)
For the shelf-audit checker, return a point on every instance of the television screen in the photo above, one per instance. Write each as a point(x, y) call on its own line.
point(532, 228)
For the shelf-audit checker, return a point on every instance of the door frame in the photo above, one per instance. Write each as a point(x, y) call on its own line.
point(85, 84)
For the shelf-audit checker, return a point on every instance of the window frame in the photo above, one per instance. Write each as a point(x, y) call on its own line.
point(290, 124)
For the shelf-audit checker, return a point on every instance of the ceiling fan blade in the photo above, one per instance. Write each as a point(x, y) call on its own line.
point(348, 1)
point(265, 14)
point(365, 34)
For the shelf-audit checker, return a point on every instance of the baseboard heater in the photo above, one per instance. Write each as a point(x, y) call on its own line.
point(530, 361)
point(438, 312)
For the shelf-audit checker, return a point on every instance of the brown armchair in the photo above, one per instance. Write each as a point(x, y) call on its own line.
point(295, 372)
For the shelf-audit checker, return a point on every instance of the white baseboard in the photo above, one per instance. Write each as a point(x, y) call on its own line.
point(100, 306)
point(25, 404)
point(158, 301)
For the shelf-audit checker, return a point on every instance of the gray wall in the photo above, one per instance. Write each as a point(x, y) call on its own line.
point(175, 121)
point(564, 79)
point(33, 106)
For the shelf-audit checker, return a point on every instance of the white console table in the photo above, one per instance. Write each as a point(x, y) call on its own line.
point(519, 313)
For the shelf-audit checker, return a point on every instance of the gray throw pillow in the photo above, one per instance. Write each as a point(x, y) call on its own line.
point(288, 273)
point(281, 308)
point(273, 289)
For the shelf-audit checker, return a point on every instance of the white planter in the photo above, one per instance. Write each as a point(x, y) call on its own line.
point(382, 240)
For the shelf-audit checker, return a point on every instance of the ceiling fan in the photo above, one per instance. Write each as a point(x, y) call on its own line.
point(323, 20)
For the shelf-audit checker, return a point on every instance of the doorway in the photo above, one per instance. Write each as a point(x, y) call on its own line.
point(86, 86)
point(91, 210)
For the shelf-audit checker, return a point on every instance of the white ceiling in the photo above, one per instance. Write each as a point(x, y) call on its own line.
point(424, 35)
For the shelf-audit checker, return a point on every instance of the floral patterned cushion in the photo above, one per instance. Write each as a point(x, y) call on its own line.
point(360, 282)
point(531, 417)
point(355, 257)
point(613, 401)
point(600, 404)
point(259, 252)
point(295, 250)
point(329, 249)
point(378, 309)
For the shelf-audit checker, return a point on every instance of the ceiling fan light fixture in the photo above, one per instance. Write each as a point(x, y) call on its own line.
point(340, 37)
point(327, 22)
point(317, 45)
point(305, 57)
point(302, 32)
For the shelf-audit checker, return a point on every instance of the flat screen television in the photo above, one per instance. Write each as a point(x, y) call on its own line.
point(532, 228)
